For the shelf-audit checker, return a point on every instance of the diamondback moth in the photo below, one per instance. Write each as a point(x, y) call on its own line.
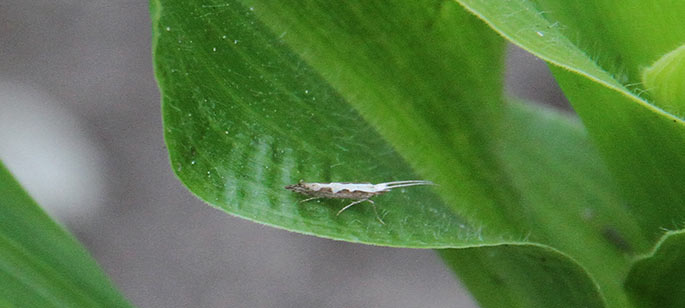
point(359, 192)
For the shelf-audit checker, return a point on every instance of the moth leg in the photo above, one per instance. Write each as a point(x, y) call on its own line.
point(375, 211)
point(351, 204)
point(310, 199)
point(360, 201)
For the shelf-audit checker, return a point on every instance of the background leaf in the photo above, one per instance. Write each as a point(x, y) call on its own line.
point(621, 37)
point(641, 143)
point(41, 265)
point(560, 177)
point(665, 80)
point(522, 276)
point(656, 280)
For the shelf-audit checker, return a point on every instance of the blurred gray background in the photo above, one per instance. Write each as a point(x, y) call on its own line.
point(80, 127)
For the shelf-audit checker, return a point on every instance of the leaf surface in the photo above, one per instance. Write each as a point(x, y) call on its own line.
point(260, 94)
point(522, 276)
point(656, 280)
point(641, 142)
point(42, 265)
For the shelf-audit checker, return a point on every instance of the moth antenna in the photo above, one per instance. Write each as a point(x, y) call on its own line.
point(409, 181)
point(397, 184)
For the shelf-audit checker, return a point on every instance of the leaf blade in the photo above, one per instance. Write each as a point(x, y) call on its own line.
point(230, 152)
point(202, 107)
point(655, 280)
point(611, 113)
point(524, 275)
point(41, 265)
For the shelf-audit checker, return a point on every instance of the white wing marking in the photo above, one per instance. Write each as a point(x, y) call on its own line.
point(337, 187)
point(366, 187)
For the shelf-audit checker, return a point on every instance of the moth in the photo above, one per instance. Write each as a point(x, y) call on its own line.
point(359, 192)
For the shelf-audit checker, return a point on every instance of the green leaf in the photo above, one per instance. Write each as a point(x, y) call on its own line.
point(620, 36)
point(665, 80)
point(256, 97)
point(641, 143)
point(244, 117)
point(41, 265)
point(523, 276)
point(656, 280)
point(569, 196)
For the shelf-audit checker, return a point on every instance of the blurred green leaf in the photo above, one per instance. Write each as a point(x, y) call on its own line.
point(522, 276)
point(41, 265)
point(665, 81)
point(656, 280)
point(641, 143)
point(620, 36)
point(570, 196)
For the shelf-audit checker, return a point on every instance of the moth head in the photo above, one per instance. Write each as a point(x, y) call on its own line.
point(299, 187)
